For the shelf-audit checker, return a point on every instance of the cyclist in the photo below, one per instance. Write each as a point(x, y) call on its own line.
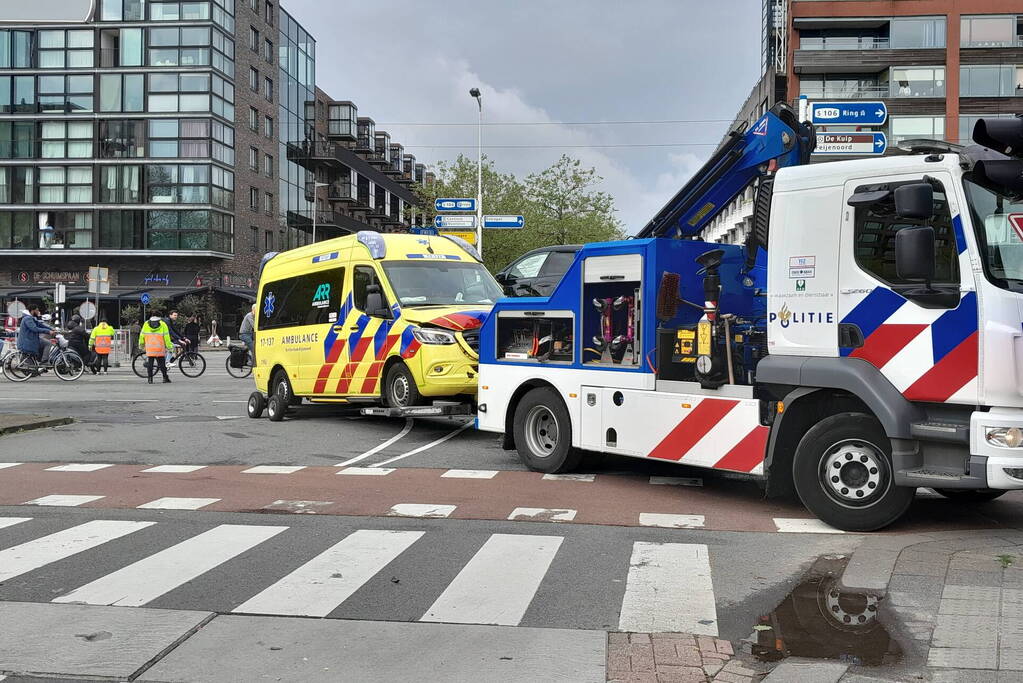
point(247, 332)
point(179, 342)
point(29, 330)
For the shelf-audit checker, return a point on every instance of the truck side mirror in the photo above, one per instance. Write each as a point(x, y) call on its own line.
point(915, 253)
point(914, 201)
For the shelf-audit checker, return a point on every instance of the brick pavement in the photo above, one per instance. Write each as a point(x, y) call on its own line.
point(674, 658)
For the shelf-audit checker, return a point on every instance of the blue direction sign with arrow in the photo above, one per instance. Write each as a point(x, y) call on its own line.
point(425, 230)
point(861, 144)
point(503, 221)
point(144, 299)
point(846, 113)
point(457, 222)
point(454, 204)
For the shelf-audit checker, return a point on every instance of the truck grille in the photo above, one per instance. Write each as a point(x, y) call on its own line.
point(472, 338)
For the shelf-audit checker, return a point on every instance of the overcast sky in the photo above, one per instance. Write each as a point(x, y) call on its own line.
point(413, 61)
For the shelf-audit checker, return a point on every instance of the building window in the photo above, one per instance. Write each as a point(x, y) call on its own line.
point(924, 81)
point(172, 92)
point(66, 139)
point(187, 138)
point(17, 94)
point(918, 32)
point(192, 229)
point(185, 46)
point(65, 94)
point(908, 127)
point(120, 184)
point(16, 185)
point(188, 10)
point(268, 165)
point(254, 198)
point(850, 86)
point(253, 79)
point(268, 88)
point(223, 143)
point(253, 159)
point(17, 139)
point(342, 119)
point(253, 39)
point(268, 241)
point(223, 53)
point(223, 188)
point(120, 229)
point(253, 118)
point(65, 184)
point(268, 13)
point(65, 49)
point(15, 49)
point(268, 203)
point(991, 31)
point(17, 230)
point(121, 92)
point(122, 139)
point(254, 4)
point(268, 50)
point(122, 10)
point(178, 184)
point(268, 126)
point(987, 81)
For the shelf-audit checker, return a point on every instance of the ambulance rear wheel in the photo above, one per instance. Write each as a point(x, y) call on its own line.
point(275, 408)
point(400, 390)
point(843, 474)
point(543, 432)
point(256, 404)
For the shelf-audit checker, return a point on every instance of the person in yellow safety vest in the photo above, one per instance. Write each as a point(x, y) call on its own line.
point(155, 338)
point(101, 341)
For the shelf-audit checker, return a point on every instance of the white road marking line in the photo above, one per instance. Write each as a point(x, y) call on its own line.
point(229, 417)
point(421, 510)
point(42, 551)
point(274, 469)
point(469, 474)
point(317, 587)
point(427, 447)
point(376, 449)
point(78, 467)
point(669, 589)
point(804, 526)
point(162, 572)
point(299, 507)
point(5, 465)
point(178, 503)
point(232, 401)
point(175, 469)
point(671, 521)
point(63, 500)
point(544, 514)
point(497, 585)
point(18, 398)
point(165, 417)
point(570, 477)
point(11, 521)
point(367, 471)
point(676, 481)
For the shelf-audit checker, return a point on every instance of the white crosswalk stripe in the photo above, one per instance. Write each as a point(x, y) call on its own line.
point(11, 521)
point(669, 589)
point(330, 578)
point(151, 577)
point(178, 503)
point(42, 551)
point(498, 583)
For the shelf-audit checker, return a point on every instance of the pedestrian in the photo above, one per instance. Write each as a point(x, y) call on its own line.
point(101, 341)
point(247, 331)
point(192, 331)
point(78, 340)
point(155, 338)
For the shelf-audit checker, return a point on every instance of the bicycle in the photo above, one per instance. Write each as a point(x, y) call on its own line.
point(246, 368)
point(65, 363)
point(191, 363)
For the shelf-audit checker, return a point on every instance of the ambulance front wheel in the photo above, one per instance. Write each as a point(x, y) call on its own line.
point(400, 390)
point(543, 432)
point(275, 408)
point(843, 474)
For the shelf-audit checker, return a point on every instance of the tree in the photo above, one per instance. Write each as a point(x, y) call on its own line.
point(559, 205)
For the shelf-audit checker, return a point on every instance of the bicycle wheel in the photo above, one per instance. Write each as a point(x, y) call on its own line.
point(191, 363)
point(138, 365)
point(68, 365)
point(18, 367)
point(238, 373)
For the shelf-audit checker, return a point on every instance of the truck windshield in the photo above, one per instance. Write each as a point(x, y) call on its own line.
point(437, 283)
point(998, 222)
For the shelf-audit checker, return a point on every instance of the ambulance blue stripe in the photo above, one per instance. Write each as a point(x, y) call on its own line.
point(354, 338)
point(406, 338)
point(328, 341)
point(957, 226)
point(872, 312)
point(953, 327)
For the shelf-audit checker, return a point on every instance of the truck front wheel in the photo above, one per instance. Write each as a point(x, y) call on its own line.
point(543, 432)
point(843, 474)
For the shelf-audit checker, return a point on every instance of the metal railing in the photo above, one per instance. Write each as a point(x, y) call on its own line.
point(842, 92)
point(1014, 42)
point(844, 43)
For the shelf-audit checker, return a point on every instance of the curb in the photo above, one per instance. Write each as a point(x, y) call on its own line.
point(29, 425)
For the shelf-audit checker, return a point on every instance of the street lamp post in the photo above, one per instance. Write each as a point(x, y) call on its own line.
point(475, 93)
point(316, 186)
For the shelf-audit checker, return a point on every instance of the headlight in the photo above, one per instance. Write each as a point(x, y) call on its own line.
point(430, 336)
point(1005, 437)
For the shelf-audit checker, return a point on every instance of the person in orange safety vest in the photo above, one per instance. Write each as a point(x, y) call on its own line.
point(101, 341)
point(155, 338)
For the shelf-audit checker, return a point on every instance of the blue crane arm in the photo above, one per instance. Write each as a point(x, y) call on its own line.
point(777, 135)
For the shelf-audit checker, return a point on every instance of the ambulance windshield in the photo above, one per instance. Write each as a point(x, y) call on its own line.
point(998, 222)
point(433, 283)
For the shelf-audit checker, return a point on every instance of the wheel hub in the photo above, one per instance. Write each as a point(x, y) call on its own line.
point(400, 390)
point(541, 431)
point(853, 471)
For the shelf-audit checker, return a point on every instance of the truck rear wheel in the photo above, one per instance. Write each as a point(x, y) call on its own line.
point(843, 474)
point(543, 432)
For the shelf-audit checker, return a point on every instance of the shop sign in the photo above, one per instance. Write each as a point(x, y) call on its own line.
point(48, 277)
point(154, 278)
point(235, 280)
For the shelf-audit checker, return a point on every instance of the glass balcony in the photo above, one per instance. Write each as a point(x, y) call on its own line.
point(844, 43)
point(367, 131)
point(827, 91)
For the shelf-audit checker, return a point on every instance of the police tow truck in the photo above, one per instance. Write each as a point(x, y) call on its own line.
point(866, 341)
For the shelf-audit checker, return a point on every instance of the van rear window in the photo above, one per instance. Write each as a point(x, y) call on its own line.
point(309, 299)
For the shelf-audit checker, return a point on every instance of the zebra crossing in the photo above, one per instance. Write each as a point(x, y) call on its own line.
point(506, 579)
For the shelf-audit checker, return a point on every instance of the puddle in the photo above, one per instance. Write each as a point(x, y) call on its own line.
point(819, 621)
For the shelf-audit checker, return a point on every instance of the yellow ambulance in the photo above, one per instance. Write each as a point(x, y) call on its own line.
point(370, 317)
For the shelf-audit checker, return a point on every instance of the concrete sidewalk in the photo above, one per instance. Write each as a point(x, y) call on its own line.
point(11, 424)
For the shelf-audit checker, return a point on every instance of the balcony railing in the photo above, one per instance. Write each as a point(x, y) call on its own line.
point(844, 43)
point(842, 92)
point(1012, 42)
point(338, 192)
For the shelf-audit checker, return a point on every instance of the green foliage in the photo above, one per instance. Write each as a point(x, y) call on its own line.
point(560, 205)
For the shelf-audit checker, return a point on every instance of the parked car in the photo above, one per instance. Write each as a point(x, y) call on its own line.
point(537, 272)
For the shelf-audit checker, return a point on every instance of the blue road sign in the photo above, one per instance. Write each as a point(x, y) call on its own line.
point(454, 204)
point(846, 113)
point(454, 222)
point(416, 230)
point(144, 299)
point(860, 144)
point(503, 221)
